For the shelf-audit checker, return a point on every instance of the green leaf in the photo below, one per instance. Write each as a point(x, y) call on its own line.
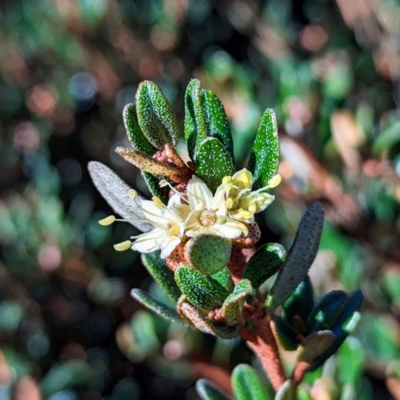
point(216, 120)
point(300, 303)
point(264, 263)
point(208, 253)
point(264, 158)
point(389, 136)
point(284, 333)
point(213, 163)
point(153, 183)
point(195, 123)
point(207, 391)
point(314, 345)
point(155, 116)
point(232, 308)
point(202, 291)
point(115, 191)
point(300, 257)
point(162, 274)
point(224, 278)
point(154, 305)
point(247, 385)
point(327, 310)
point(287, 391)
point(135, 134)
point(193, 315)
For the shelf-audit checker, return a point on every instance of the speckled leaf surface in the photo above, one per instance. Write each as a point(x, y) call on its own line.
point(135, 134)
point(264, 263)
point(327, 310)
point(208, 253)
point(115, 192)
point(285, 334)
point(207, 391)
point(247, 385)
point(161, 274)
point(195, 123)
point(155, 116)
point(204, 324)
point(264, 158)
point(224, 278)
point(213, 162)
point(217, 125)
point(152, 304)
point(300, 257)
point(153, 183)
point(232, 308)
point(314, 345)
point(287, 391)
point(301, 301)
point(202, 291)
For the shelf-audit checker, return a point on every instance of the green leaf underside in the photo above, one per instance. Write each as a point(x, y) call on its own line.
point(264, 158)
point(285, 333)
point(151, 303)
point(204, 324)
point(161, 274)
point(301, 301)
point(207, 391)
point(153, 183)
point(247, 385)
point(300, 257)
point(155, 116)
point(135, 134)
point(264, 263)
point(213, 163)
point(202, 291)
point(287, 391)
point(115, 191)
point(314, 345)
point(217, 125)
point(339, 328)
point(208, 253)
point(327, 310)
point(224, 278)
point(195, 124)
point(232, 308)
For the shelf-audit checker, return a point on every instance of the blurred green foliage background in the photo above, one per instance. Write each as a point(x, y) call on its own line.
point(68, 327)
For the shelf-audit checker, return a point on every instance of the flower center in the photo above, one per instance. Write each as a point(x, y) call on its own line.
point(208, 218)
point(173, 229)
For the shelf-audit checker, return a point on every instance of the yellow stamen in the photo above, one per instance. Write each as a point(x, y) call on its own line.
point(252, 208)
point(245, 214)
point(157, 201)
point(274, 181)
point(107, 221)
point(229, 203)
point(126, 245)
point(174, 231)
point(132, 193)
point(244, 177)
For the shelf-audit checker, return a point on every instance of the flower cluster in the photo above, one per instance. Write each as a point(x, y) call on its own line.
point(226, 213)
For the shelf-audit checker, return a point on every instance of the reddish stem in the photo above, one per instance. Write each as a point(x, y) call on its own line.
point(299, 371)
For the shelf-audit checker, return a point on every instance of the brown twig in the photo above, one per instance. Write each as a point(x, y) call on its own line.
point(299, 371)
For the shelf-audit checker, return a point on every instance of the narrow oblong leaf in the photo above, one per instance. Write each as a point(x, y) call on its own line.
point(247, 385)
point(232, 308)
point(264, 158)
point(224, 278)
point(213, 162)
point(155, 116)
point(300, 303)
point(287, 391)
point(193, 315)
point(264, 263)
point(284, 333)
point(207, 391)
point(327, 310)
point(314, 345)
point(152, 304)
point(153, 183)
point(217, 125)
point(115, 192)
point(202, 291)
point(148, 164)
point(195, 124)
point(162, 274)
point(300, 257)
point(135, 134)
point(208, 253)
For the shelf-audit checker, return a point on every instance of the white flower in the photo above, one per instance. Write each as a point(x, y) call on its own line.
point(241, 202)
point(207, 214)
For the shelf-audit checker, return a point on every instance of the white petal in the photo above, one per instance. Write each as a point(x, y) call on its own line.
point(218, 202)
point(198, 193)
point(262, 200)
point(229, 230)
point(181, 211)
point(150, 241)
point(153, 214)
point(167, 247)
point(244, 177)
